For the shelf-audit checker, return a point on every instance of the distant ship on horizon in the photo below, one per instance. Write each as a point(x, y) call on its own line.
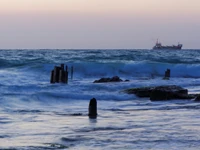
point(159, 46)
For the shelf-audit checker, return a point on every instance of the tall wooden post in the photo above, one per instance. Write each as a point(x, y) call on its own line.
point(167, 74)
point(62, 66)
point(52, 77)
point(61, 76)
point(66, 74)
point(92, 110)
point(56, 74)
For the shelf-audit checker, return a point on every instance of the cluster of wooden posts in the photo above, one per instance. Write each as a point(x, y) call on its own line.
point(60, 74)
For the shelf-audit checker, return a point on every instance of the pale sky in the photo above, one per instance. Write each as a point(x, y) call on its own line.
point(98, 24)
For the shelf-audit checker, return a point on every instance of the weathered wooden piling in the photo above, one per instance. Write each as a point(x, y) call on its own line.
point(59, 75)
point(52, 77)
point(56, 74)
point(62, 67)
point(92, 110)
point(167, 74)
point(66, 74)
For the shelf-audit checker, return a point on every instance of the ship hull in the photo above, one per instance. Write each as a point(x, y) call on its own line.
point(167, 48)
point(159, 46)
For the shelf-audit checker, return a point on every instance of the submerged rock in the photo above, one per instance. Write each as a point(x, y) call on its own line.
point(140, 92)
point(113, 79)
point(197, 98)
point(167, 92)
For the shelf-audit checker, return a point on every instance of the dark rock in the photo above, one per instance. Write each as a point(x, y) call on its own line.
point(161, 92)
point(140, 92)
point(102, 80)
point(113, 79)
point(169, 92)
point(77, 114)
point(197, 98)
point(159, 95)
point(126, 80)
point(143, 93)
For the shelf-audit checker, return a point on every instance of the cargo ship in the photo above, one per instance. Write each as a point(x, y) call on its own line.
point(159, 46)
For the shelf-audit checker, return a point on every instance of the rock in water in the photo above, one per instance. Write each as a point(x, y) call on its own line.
point(167, 92)
point(197, 98)
point(113, 79)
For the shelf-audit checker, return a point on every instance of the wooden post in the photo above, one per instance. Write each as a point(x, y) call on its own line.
point(72, 72)
point(52, 77)
point(92, 108)
point(62, 66)
point(167, 74)
point(61, 76)
point(55, 74)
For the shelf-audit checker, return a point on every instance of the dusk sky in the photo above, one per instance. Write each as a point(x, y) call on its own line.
point(98, 24)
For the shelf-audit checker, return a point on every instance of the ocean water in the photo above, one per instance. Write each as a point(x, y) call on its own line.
point(35, 114)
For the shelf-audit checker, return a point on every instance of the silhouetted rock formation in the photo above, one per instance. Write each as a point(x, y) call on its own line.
point(197, 97)
point(167, 92)
point(113, 79)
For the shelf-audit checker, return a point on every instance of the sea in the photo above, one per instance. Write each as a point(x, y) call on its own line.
point(37, 115)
